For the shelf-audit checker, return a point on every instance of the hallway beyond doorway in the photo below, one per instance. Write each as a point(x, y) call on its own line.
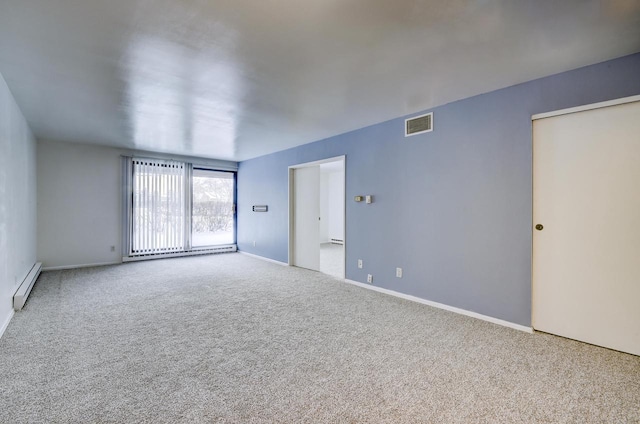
point(332, 259)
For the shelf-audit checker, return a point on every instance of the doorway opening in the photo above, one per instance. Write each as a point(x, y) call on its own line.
point(317, 216)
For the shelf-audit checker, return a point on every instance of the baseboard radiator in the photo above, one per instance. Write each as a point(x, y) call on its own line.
point(204, 251)
point(21, 295)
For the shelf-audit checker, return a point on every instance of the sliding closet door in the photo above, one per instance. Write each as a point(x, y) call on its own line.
point(586, 244)
point(306, 226)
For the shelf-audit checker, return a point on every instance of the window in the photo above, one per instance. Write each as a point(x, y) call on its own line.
point(212, 212)
point(173, 208)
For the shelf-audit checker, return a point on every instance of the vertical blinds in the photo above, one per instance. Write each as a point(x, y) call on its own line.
point(159, 206)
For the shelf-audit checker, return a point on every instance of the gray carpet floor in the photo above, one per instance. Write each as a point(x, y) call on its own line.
point(230, 338)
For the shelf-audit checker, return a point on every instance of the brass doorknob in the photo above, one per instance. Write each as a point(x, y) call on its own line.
point(539, 227)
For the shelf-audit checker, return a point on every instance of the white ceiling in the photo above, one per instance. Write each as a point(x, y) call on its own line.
point(235, 79)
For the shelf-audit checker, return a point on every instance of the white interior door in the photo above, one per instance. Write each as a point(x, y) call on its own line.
point(586, 258)
point(306, 217)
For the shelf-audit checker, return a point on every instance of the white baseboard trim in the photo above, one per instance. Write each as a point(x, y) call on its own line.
point(263, 258)
point(6, 322)
point(443, 306)
point(58, 268)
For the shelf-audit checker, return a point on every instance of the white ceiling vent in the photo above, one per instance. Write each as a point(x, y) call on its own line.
point(418, 124)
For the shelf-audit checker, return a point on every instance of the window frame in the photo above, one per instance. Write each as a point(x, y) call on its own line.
point(127, 211)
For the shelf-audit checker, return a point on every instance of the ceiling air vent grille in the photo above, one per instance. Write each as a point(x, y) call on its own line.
point(418, 124)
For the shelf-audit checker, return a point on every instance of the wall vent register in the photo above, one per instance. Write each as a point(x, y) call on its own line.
point(418, 124)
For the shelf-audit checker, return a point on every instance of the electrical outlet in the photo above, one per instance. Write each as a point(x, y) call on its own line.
point(113, 248)
point(360, 263)
point(369, 278)
point(399, 272)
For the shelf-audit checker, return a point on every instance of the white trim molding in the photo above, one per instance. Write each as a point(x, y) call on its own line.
point(443, 306)
point(591, 106)
point(273, 261)
point(6, 322)
point(319, 162)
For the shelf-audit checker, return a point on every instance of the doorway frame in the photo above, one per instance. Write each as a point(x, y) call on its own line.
point(291, 200)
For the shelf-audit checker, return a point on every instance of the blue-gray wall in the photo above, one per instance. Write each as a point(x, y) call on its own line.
point(452, 207)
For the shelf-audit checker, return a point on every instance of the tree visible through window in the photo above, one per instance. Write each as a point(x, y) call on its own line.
point(212, 208)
